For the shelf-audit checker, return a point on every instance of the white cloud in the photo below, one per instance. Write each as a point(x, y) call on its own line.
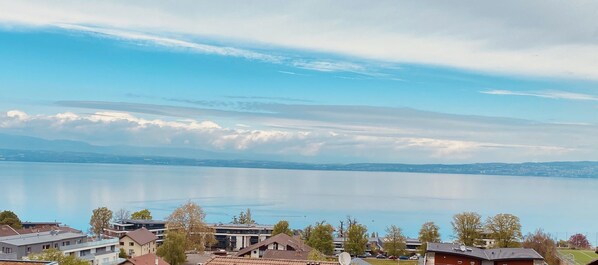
point(552, 94)
point(380, 143)
point(531, 38)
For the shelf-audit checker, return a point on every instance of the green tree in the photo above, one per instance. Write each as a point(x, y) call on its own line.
point(428, 234)
point(321, 239)
point(173, 248)
point(543, 244)
point(394, 241)
point(11, 219)
point(144, 214)
point(467, 226)
point(243, 218)
point(53, 254)
point(282, 227)
point(100, 220)
point(505, 230)
point(122, 254)
point(357, 239)
point(316, 255)
point(188, 219)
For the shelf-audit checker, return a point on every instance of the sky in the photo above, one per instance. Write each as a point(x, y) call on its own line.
point(307, 81)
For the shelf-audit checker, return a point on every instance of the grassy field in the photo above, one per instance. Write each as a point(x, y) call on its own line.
point(390, 262)
point(582, 257)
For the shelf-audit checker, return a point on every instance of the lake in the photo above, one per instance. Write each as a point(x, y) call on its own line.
point(68, 192)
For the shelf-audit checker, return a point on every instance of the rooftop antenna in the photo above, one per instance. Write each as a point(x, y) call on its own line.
point(344, 258)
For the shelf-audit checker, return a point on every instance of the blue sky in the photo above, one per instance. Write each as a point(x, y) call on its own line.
point(285, 82)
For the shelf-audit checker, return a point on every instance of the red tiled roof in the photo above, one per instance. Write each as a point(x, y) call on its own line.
point(249, 261)
point(142, 236)
point(6, 230)
point(147, 259)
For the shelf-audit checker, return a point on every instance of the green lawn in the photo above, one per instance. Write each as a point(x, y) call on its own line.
point(582, 257)
point(390, 262)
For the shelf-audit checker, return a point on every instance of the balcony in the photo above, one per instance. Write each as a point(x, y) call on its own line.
point(90, 245)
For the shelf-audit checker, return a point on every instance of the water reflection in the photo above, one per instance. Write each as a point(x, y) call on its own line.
point(68, 193)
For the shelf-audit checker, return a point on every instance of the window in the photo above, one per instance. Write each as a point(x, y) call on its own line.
point(122, 243)
point(55, 245)
point(46, 246)
point(68, 243)
point(131, 244)
point(28, 249)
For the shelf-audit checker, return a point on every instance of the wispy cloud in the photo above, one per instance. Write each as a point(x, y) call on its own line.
point(552, 94)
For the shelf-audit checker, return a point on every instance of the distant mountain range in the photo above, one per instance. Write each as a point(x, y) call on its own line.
point(31, 149)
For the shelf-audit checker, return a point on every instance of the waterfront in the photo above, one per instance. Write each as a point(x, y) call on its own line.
point(68, 192)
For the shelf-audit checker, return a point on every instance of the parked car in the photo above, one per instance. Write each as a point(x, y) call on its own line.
point(414, 257)
point(404, 258)
point(380, 256)
point(392, 257)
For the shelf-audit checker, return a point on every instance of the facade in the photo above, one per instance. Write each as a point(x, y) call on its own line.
point(19, 246)
point(96, 252)
point(234, 237)
point(453, 254)
point(119, 229)
point(147, 259)
point(486, 240)
point(139, 242)
point(412, 245)
point(281, 242)
point(245, 261)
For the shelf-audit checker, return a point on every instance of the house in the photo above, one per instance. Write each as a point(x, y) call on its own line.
point(120, 228)
point(248, 261)
point(6, 230)
point(453, 254)
point(234, 237)
point(139, 242)
point(96, 251)
point(277, 242)
point(285, 254)
point(19, 246)
point(147, 259)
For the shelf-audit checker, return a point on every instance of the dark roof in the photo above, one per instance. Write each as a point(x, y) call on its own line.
point(285, 254)
point(6, 230)
point(281, 239)
point(485, 254)
point(142, 236)
point(146, 222)
point(147, 259)
point(595, 262)
point(247, 261)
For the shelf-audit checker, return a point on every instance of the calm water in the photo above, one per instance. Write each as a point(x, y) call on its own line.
point(69, 192)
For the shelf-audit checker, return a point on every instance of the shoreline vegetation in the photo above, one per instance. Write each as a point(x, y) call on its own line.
point(577, 169)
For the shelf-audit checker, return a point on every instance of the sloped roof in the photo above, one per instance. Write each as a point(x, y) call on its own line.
point(142, 236)
point(6, 230)
point(249, 261)
point(281, 239)
point(485, 254)
point(285, 254)
point(147, 259)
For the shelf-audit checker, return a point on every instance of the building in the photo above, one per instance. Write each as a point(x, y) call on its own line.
point(139, 242)
point(453, 254)
point(120, 228)
point(234, 237)
point(282, 242)
point(19, 246)
point(40, 224)
point(249, 261)
point(412, 245)
point(486, 240)
point(95, 251)
point(26, 262)
point(147, 259)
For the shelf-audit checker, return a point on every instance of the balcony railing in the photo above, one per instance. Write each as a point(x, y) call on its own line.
point(91, 244)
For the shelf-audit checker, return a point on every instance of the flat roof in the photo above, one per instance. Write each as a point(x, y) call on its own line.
point(37, 238)
point(241, 226)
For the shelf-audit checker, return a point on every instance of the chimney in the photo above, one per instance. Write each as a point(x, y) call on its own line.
point(156, 261)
